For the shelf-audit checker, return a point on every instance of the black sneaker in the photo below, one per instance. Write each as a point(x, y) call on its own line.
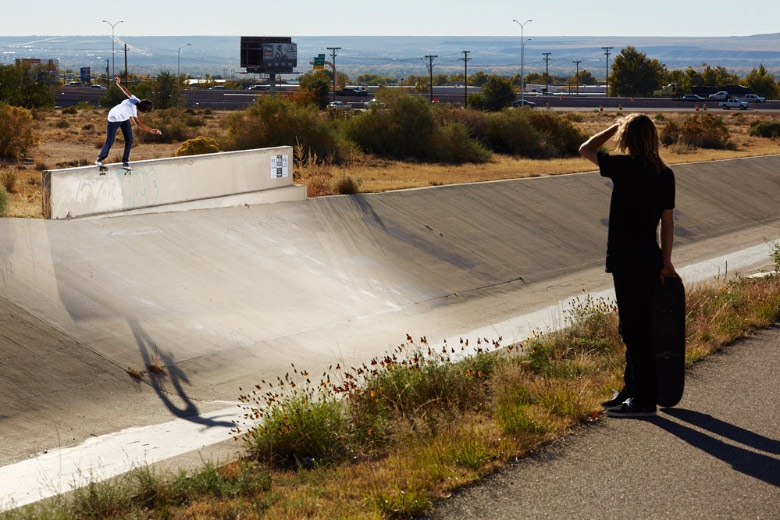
point(631, 409)
point(618, 398)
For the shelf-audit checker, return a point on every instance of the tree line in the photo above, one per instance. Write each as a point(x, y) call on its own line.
point(632, 74)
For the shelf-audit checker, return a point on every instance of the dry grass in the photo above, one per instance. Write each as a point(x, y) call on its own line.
point(73, 139)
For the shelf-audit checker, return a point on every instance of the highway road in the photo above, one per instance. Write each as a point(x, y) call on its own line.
point(238, 99)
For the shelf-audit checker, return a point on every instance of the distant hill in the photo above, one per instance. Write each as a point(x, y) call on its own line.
point(397, 56)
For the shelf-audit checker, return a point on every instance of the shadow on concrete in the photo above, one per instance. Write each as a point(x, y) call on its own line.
point(742, 459)
point(187, 410)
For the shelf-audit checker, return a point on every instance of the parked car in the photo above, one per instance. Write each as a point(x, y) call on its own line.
point(721, 95)
point(734, 103)
point(753, 98)
point(523, 102)
point(692, 97)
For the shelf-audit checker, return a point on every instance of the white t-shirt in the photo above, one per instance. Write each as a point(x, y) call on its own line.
point(124, 110)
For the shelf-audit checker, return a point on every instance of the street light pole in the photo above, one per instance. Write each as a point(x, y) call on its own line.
point(178, 61)
point(113, 68)
point(522, 60)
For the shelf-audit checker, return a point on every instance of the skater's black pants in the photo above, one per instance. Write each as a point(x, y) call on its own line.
point(127, 132)
point(633, 291)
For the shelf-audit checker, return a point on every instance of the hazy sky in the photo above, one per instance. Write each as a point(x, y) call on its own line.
point(392, 18)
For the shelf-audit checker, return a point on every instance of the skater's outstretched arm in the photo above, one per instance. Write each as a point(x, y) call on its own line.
point(122, 87)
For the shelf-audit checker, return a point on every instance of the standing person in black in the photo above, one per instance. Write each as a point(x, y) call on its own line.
point(643, 195)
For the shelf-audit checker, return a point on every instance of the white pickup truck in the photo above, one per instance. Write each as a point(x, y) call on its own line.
point(733, 103)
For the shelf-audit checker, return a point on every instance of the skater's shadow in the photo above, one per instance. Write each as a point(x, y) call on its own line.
point(187, 410)
point(747, 461)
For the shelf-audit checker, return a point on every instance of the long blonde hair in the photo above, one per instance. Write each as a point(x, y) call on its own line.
point(638, 137)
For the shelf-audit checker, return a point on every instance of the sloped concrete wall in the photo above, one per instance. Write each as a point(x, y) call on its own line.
point(197, 181)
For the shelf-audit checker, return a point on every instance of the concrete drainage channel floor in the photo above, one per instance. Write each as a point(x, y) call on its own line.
point(228, 296)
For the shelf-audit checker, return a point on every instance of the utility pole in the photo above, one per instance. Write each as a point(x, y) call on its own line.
point(547, 72)
point(333, 63)
point(577, 76)
point(466, 59)
point(126, 73)
point(430, 59)
point(606, 80)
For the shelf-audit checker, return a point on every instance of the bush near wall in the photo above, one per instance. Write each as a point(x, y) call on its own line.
point(17, 134)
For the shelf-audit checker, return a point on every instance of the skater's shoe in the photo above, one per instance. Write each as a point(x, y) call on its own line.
point(99, 162)
point(630, 409)
point(126, 167)
point(618, 398)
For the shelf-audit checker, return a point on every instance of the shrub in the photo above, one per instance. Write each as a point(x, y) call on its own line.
point(769, 129)
point(510, 132)
point(300, 430)
point(198, 146)
point(560, 135)
point(274, 121)
point(457, 146)
point(704, 131)
point(475, 121)
point(176, 126)
point(409, 128)
point(347, 185)
point(670, 134)
point(5, 201)
point(17, 133)
point(8, 181)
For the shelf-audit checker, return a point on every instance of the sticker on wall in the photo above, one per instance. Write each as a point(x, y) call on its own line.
point(279, 166)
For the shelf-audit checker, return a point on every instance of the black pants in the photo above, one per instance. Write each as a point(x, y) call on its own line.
point(633, 291)
point(127, 132)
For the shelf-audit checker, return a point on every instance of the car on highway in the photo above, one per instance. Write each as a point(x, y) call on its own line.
point(692, 97)
point(98, 86)
point(352, 91)
point(338, 105)
point(753, 98)
point(734, 103)
point(721, 95)
point(523, 102)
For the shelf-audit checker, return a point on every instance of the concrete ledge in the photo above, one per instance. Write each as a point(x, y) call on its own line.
point(258, 176)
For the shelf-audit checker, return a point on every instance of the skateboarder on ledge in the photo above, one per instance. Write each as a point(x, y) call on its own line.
point(119, 118)
point(643, 195)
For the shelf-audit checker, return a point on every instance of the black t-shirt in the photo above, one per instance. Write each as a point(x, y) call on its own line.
point(639, 195)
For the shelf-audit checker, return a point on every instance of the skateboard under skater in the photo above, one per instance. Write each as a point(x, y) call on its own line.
point(103, 169)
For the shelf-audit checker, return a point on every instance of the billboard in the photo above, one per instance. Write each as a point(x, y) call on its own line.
point(269, 55)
